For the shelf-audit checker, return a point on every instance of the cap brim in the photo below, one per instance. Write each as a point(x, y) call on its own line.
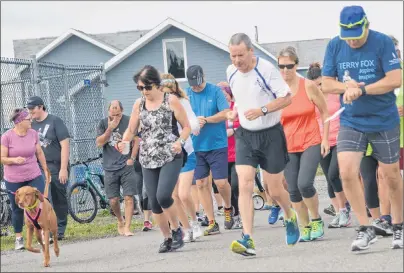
point(30, 106)
point(193, 82)
point(352, 33)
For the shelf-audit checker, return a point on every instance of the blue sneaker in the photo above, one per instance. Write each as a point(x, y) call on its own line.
point(292, 230)
point(245, 246)
point(274, 215)
point(266, 207)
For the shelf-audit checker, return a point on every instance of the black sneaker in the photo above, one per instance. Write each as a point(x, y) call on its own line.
point(166, 246)
point(178, 241)
point(205, 221)
point(330, 210)
point(397, 237)
point(61, 237)
point(365, 237)
point(382, 228)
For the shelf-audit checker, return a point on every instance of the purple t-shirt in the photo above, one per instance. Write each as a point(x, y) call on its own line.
point(24, 146)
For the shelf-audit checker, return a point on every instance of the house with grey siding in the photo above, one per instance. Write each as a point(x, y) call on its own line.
point(170, 47)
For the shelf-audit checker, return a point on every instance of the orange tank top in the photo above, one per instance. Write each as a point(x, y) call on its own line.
point(300, 122)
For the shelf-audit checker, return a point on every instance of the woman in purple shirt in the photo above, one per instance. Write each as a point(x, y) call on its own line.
point(20, 152)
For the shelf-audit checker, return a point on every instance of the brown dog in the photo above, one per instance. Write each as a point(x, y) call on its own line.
point(39, 216)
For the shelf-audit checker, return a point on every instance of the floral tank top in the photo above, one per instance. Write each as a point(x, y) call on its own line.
point(159, 132)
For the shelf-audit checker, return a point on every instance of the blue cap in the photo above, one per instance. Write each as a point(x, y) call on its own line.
point(352, 22)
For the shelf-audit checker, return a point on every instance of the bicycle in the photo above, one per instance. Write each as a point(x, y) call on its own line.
point(5, 211)
point(258, 200)
point(84, 197)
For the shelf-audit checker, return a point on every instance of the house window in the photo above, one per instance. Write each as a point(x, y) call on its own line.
point(175, 57)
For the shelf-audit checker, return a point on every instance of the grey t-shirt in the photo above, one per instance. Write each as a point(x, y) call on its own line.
point(113, 160)
point(52, 131)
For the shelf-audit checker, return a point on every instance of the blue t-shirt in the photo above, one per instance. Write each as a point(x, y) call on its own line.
point(368, 64)
point(209, 102)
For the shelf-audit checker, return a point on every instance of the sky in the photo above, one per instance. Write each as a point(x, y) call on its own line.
point(276, 21)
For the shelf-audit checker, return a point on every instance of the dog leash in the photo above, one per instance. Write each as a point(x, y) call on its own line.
point(7, 191)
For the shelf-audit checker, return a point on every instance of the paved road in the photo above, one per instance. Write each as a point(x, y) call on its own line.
point(139, 253)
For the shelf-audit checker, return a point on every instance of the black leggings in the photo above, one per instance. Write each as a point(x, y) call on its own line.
point(140, 188)
point(233, 180)
point(300, 173)
point(160, 184)
point(369, 176)
point(329, 164)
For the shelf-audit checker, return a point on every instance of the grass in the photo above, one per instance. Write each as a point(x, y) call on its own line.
point(104, 225)
point(319, 171)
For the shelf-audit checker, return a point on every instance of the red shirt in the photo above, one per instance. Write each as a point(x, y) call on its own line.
point(231, 141)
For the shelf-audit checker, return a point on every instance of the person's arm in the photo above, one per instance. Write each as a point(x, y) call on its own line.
point(135, 149)
point(5, 160)
point(280, 88)
point(193, 120)
point(62, 135)
point(181, 116)
point(103, 134)
point(131, 131)
point(329, 82)
point(318, 99)
point(41, 156)
point(222, 106)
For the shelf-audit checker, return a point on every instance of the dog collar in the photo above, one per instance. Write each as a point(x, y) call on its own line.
point(33, 206)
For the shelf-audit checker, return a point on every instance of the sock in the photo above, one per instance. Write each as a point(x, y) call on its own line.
point(219, 207)
point(318, 219)
point(228, 208)
point(343, 210)
point(211, 222)
point(398, 226)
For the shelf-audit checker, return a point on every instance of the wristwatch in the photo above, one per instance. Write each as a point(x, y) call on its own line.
point(363, 90)
point(182, 141)
point(264, 110)
point(133, 158)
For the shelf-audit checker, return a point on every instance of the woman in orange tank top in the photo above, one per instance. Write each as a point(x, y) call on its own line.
point(305, 146)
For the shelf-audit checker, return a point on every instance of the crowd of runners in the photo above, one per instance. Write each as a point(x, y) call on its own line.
point(178, 144)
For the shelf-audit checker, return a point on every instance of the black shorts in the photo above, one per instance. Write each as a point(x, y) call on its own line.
point(124, 178)
point(266, 148)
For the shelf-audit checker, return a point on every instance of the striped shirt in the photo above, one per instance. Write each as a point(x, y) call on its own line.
point(255, 89)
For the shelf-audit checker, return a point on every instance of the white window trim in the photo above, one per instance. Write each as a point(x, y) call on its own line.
point(184, 48)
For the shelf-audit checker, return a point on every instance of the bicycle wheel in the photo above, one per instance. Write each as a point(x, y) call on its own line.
point(83, 205)
point(5, 215)
point(258, 202)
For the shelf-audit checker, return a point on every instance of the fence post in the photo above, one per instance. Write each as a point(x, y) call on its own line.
point(103, 83)
point(35, 75)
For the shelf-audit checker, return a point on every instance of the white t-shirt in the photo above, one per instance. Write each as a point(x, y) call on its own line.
point(255, 89)
point(194, 123)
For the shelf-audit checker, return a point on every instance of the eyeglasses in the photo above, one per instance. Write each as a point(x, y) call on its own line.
point(288, 66)
point(146, 87)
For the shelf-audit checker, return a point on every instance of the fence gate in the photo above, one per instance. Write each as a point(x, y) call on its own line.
point(72, 92)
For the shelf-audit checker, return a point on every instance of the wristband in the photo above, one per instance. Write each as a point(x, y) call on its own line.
point(363, 90)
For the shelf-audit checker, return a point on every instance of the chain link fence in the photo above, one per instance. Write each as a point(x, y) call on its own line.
point(72, 92)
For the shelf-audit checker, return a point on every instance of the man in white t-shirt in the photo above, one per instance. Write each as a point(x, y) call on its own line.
point(260, 94)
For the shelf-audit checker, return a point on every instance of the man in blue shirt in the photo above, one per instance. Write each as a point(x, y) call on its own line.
point(362, 65)
point(210, 106)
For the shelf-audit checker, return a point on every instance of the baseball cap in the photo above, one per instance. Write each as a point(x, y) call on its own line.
point(195, 75)
point(352, 22)
point(34, 101)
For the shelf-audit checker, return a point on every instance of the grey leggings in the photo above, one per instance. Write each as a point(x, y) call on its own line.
point(369, 176)
point(329, 164)
point(160, 184)
point(300, 173)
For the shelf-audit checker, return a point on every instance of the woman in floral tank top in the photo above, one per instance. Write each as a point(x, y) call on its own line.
point(161, 147)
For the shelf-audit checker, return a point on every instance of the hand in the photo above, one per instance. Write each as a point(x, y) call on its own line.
point(47, 177)
point(253, 114)
point(400, 110)
point(196, 132)
point(130, 162)
point(230, 132)
point(63, 176)
point(120, 146)
point(351, 94)
point(325, 148)
point(202, 121)
point(112, 124)
point(231, 115)
point(353, 84)
point(19, 160)
point(176, 147)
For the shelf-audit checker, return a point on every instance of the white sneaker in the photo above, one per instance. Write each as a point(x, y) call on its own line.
point(397, 237)
point(188, 236)
point(196, 228)
point(237, 222)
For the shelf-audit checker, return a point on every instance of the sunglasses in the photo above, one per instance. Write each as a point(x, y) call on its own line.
point(288, 66)
point(146, 87)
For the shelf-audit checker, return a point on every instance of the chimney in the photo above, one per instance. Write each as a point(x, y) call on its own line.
point(256, 34)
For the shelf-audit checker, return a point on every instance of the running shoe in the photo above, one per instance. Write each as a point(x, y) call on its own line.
point(274, 215)
point(196, 229)
point(335, 222)
point(228, 218)
point(245, 246)
point(317, 229)
point(330, 210)
point(212, 229)
point(292, 229)
point(189, 236)
point(397, 237)
point(178, 240)
point(147, 225)
point(237, 222)
point(305, 234)
point(365, 237)
point(166, 246)
point(19, 243)
point(382, 227)
point(345, 218)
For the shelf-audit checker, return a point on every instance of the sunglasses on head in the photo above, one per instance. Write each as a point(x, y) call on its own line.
point(146, 87)
point(288, 66)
